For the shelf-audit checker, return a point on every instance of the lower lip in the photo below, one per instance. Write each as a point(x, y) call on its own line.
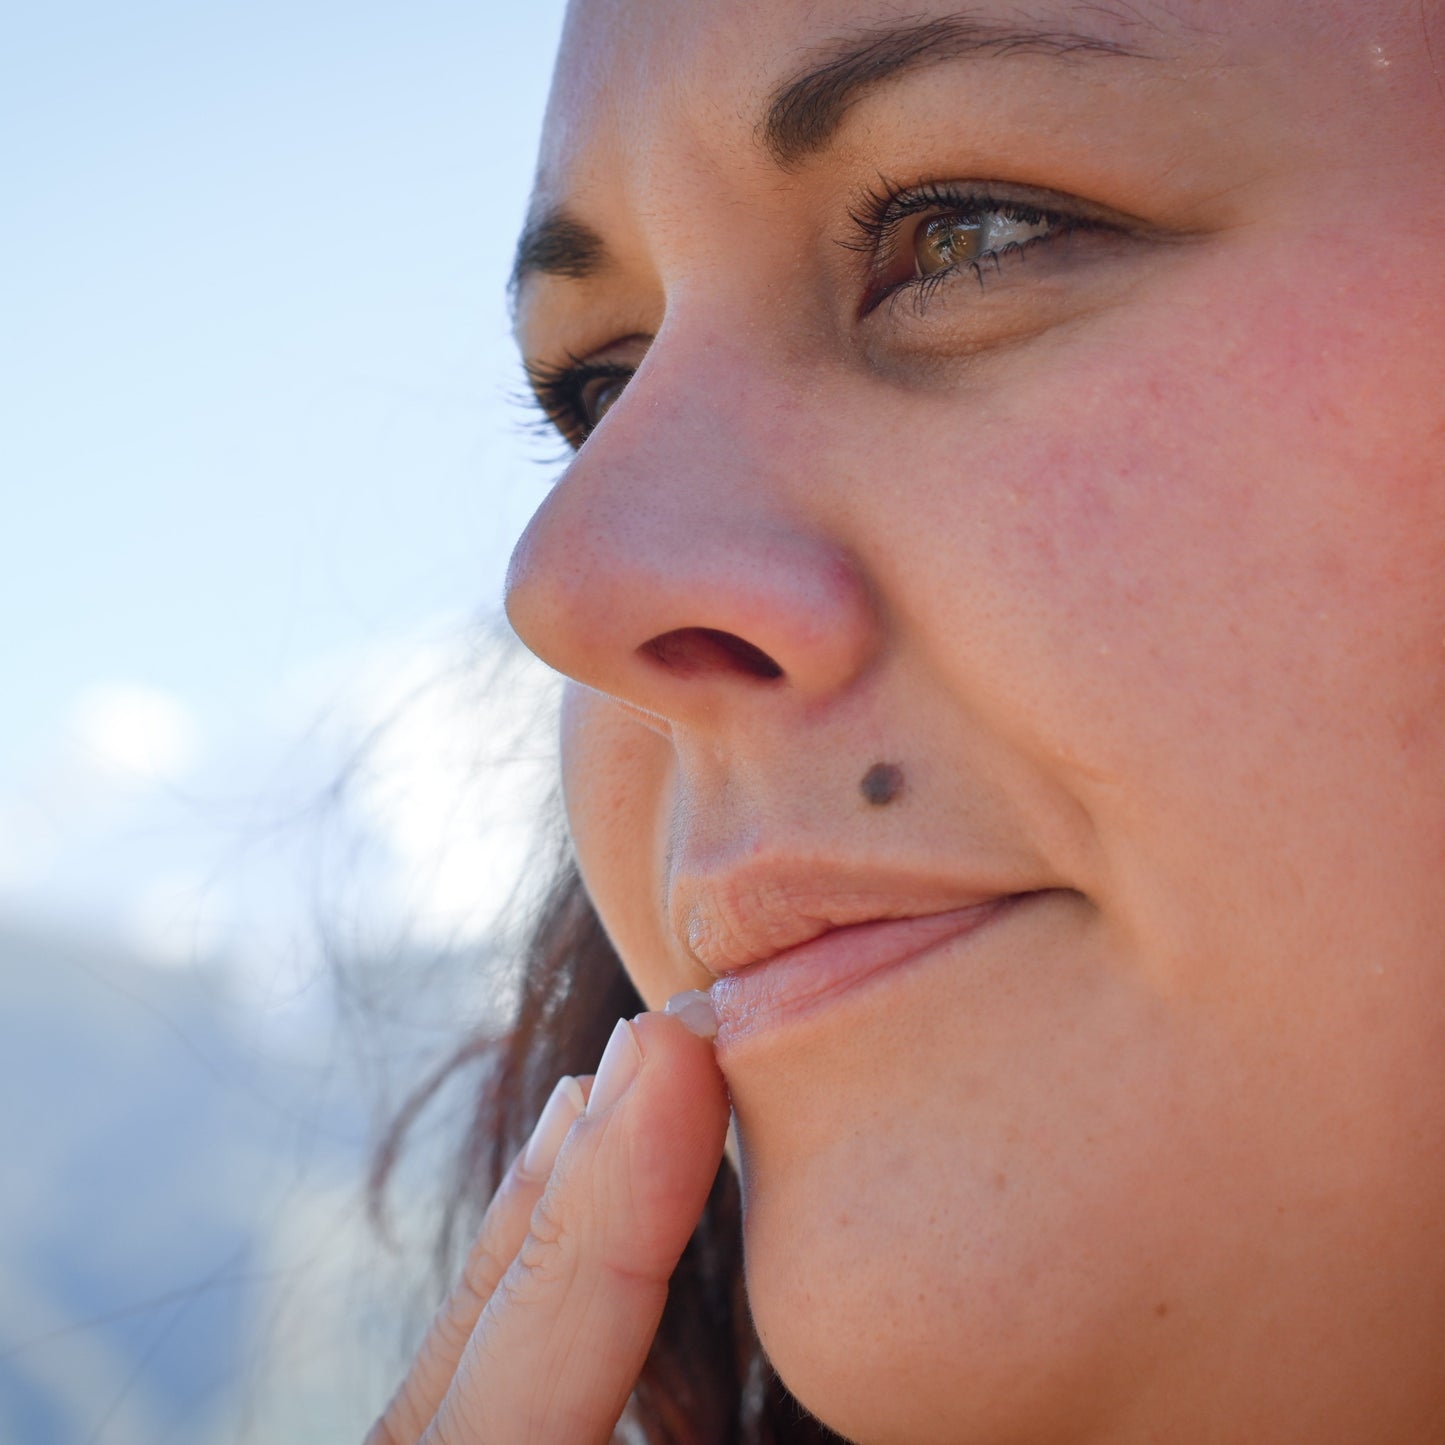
point(804, 979)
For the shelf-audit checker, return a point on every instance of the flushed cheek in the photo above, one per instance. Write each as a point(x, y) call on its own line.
point(1194, 539)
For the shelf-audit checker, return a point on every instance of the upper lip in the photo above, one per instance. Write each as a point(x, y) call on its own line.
point(749, 914)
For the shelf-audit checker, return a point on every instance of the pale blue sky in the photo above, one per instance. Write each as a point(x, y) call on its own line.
point(254, 364)
point(258, 468)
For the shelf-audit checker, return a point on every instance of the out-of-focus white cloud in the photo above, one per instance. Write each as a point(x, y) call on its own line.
point(117, 745)
point(132, 735)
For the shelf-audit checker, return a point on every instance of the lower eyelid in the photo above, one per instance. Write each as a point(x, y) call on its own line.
point(978, 272)
point(965, 315)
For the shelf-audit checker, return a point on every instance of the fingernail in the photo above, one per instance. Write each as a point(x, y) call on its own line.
point(561, 1112)
point(693, 1010)
point(617, 1070)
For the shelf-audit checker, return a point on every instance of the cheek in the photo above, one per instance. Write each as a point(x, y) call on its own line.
point(1241, 644)
point(1209, 596)
point(1212, 582)
point(617, 781)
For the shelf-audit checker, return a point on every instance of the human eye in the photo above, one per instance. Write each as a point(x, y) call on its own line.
point(577, 394)
point(919, 239)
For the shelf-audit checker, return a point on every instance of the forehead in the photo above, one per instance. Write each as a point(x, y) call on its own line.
point(628, 67)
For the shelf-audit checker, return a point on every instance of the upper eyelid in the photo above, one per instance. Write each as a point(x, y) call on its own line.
point(547, 379)
point(869, 202)
point(872, 212)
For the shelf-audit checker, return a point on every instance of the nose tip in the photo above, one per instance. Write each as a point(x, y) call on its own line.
point(675, 597)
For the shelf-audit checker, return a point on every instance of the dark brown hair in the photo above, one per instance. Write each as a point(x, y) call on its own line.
point(706, 1381)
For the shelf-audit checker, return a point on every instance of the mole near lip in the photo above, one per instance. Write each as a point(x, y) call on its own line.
point(799, 981)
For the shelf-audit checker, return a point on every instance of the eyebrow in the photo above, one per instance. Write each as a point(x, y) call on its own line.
point(555, 244)
point(804, 113)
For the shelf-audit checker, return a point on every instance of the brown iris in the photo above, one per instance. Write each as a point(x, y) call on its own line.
point(598, 396)
point(947, 241)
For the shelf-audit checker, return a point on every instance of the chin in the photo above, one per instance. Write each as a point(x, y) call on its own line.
point(898, 1347)
point(934, 1257)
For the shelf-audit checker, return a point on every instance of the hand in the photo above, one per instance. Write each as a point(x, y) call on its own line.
point(543, 1338)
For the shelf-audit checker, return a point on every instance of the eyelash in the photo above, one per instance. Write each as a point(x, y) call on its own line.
point(878, 220)
point(879, 217)
point(559, 392)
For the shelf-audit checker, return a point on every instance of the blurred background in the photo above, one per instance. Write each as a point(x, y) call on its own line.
point(268, 766)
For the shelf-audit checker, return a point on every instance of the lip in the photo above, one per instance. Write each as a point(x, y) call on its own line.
point(727, 919)
point(802, 980)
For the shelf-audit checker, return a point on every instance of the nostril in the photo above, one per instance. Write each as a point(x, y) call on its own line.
point(691, 650)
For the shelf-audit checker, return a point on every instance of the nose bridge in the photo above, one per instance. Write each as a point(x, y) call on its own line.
point(679, 563)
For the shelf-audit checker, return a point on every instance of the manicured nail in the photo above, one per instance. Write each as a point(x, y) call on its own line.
point(561, 1112)
point(693, 1010)
point(617, 1070)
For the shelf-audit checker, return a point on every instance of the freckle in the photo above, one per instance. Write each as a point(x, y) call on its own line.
point(1000, 1181)
point(1162, 1308)
point(882, 783)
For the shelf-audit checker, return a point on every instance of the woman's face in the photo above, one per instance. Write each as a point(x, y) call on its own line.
point(1045, 401)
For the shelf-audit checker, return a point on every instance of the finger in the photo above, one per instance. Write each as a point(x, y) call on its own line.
point(564, 1336)
point(503, 1229)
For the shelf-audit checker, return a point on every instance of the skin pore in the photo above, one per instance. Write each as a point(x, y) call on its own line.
point(1050, 395)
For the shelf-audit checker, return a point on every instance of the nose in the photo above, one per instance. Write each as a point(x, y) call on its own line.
point(684, 563)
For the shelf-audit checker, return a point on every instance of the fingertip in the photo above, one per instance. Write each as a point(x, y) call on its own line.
point(694, 1011)
point(687, 1028)
point(674, 1049)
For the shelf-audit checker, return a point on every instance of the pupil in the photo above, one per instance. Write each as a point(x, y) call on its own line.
point(945, 241)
